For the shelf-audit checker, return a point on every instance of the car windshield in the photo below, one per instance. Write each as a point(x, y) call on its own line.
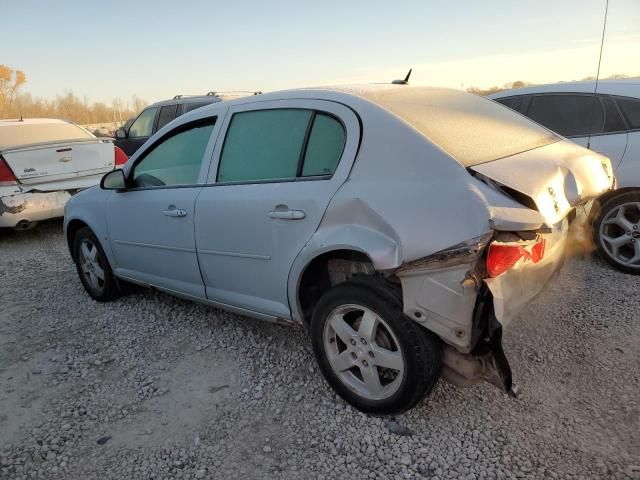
point(19, 134)
point(471, 129)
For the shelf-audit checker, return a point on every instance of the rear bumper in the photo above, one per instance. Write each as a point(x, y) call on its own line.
point(32, 207)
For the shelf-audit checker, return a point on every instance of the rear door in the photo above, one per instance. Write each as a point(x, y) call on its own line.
point(270, 183)
point(588, 120)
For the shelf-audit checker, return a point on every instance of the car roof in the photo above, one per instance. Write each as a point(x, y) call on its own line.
point(30, 121)
point(623, 87)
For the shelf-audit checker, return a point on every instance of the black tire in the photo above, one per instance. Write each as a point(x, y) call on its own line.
point(605, 209)
point(107, 289)
point(421, 349)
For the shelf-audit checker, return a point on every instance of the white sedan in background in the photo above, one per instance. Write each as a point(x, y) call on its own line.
point(608, 123)
point(43, 162)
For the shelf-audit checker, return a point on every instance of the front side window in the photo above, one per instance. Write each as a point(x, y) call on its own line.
point(568, 115)
point(631, 109)
point(167, 113)
point(175, 160)
point(143, 125)
point(263, 145)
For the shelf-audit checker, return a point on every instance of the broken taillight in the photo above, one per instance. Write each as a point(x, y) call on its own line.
point(120, 157)
point(6, 174)
point(502, 257)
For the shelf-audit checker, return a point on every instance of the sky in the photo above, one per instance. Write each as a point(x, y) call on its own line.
point(157, 49)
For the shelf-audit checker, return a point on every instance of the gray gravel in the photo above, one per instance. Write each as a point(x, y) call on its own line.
point(154, 387)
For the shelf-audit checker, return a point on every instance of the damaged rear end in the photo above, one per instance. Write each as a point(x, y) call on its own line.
point(468, 293)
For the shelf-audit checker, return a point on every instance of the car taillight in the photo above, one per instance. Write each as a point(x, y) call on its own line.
point(503, 257)
point(6, 174)
point(120, 157)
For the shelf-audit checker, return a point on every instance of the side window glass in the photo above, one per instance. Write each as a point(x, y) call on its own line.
point(612, 119)
point(175, 160)
point(507, 102)
point(326, 143)
point(263, 145)
point(192, 106)
point(144, 124)
point(167, 113)
point(569, 115)
point(631, 110)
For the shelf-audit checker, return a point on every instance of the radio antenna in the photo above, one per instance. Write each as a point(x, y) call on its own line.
point(595, 90)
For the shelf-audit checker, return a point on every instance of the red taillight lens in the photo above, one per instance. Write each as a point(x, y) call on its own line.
point(6, 175)
point(120, 157)
point(501, 257)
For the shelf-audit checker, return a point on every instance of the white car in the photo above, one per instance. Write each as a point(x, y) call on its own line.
point(403, 226)
point(608, 123)
point(43, 162)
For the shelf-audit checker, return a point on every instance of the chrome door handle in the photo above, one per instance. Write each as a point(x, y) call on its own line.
point(172, 211)
point(287, 214)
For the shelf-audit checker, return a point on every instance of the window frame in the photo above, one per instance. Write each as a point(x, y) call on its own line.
point(527, 104)
point(206, 158)
point(303, 151)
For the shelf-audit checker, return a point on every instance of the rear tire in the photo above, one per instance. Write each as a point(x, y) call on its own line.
point(616, 232)
point(93, 267)
point(373, 356)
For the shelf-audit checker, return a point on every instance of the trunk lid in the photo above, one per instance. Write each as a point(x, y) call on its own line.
point(60, 161)
point(552, 179)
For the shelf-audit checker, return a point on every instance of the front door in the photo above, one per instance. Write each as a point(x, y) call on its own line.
point(274, 177)
point(139, 131)
point(151, 224)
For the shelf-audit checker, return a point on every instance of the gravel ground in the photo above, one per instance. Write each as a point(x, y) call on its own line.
point(154, 387)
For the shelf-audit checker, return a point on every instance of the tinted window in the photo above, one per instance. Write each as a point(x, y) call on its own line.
point(506, 101)
point(175, 160)
point(192, 106)
point(612, 119)
point(263, 145)
point(167, 114)
point(144, 123)
point(569, 115)
point(326, 142)
point(631, 110)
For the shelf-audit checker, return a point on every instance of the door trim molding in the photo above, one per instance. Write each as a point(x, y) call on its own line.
point(151, 245)
point(234, 254)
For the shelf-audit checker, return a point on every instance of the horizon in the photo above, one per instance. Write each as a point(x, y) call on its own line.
point(289, 47)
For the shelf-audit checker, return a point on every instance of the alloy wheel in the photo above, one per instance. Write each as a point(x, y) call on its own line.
point(90, 264)
point(620, 234)
point(363, 352)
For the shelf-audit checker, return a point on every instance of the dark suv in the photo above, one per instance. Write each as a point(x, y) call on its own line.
point(156, 116)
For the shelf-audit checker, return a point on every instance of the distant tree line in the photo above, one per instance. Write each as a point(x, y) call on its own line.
point(520, 84)
point(68, 106)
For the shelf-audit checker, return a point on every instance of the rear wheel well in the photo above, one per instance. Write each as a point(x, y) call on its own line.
point(73, 228)
point(328, 270)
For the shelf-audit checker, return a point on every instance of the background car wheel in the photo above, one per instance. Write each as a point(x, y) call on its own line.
point(93, 267)
point(616, 232)
point(372, 355)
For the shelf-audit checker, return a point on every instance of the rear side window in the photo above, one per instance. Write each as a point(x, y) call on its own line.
point(612, 120)
point(631, 110)
point(263, 145)
point(507, 102)
point(167, 113)
point(568, 115)
point(175, 160)
point(325, 146)
point(192, 106)
point(143, 125)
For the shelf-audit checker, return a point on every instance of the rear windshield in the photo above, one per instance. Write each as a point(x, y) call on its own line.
point(471, 129)
point(19, 134)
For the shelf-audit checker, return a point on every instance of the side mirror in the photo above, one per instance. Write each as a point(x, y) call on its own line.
point(114, 180)
point(121, 133)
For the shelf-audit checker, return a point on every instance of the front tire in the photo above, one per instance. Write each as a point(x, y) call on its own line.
point(616, 232)
point(373, 356)
point(93, 267)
